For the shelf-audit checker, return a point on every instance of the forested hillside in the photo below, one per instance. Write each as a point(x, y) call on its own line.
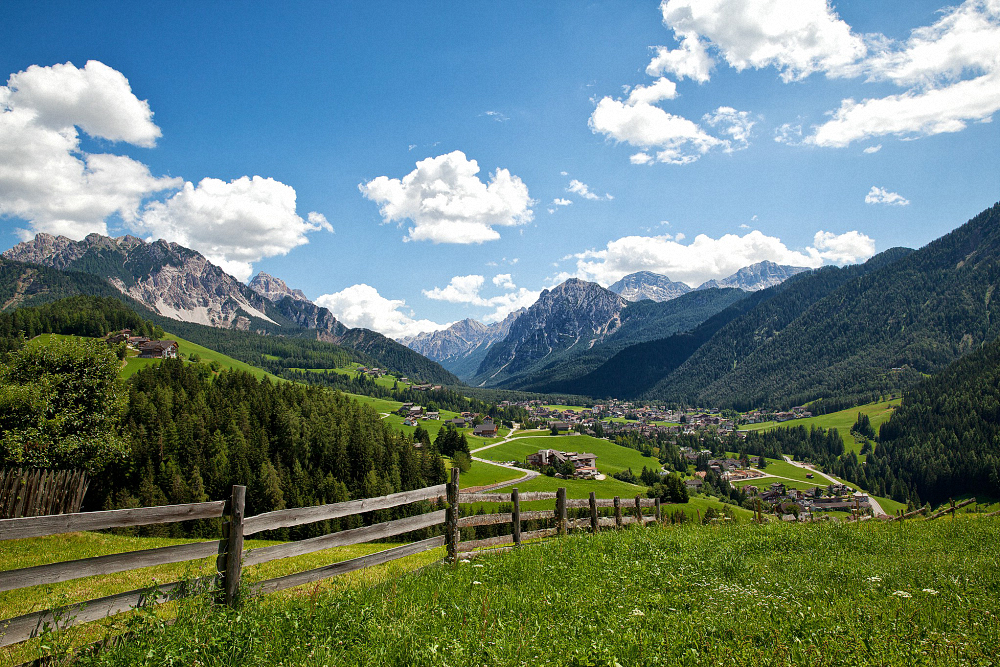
point(641, 321)
point(291, 445)
point(944, 439)
point(637, 368)
point(917, 314)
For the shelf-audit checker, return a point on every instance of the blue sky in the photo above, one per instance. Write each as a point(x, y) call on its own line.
point(336, 145)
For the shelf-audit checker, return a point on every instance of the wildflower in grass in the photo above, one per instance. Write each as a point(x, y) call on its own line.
point(875, 579)
point(930, 591)
point(637, 612)
point(902, 594)
point(476, 583)
point(478, 565)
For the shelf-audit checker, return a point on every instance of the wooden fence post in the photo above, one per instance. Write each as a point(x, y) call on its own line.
point(515, 517)
point(618, 512)
point(659, 512)
point(452, 531)
point(952, 501)
point(234, 546)
point(562, 522)
point(638, 509)
point(593, 512)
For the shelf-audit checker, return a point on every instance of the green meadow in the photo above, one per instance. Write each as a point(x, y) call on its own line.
point(611, 458)
point(890, 595)
point(842, 421)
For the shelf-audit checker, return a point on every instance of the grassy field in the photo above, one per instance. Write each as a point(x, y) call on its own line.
point(484, 474)
point(611, 458)
point(16, 554)
point(887, 595)
point(842, 421)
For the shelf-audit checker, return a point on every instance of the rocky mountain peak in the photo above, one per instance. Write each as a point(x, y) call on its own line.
point(648, 285)
point(274, 289)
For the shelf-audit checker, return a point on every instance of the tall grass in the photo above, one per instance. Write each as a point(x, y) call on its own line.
point(822, 594)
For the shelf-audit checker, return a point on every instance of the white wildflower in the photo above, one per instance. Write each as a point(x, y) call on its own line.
point(478, 565)
point(902, 594)
point(930, 591)
point(477, 583)
point(637, 612)
point(875, 579)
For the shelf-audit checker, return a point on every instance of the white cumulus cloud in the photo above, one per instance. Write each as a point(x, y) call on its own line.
point(843, 248)
point(879, 195)
point(691, 60)
point(705, 258)
point(233, 224)
point(558, 201)
point(45, 177)
point(362, 306)
point(931, 64)
point(504, 280)
point(583, 190)
point(447, 203)
point(466, 289)
point(797, 37)
point(873, 149)
point(661, 89)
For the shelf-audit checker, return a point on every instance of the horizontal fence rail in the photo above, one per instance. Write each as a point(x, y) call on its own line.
point(232, 558)
point(303, 515)
point(41, 526)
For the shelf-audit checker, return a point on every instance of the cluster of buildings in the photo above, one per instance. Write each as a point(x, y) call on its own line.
point(146, 347)
point(584, 464)
point(797, 505)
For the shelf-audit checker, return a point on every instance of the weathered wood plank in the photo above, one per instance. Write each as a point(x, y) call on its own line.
point(469, 545)
point(343, 567)
point(87, 567)
point(22, 628)
point(300, 515)
point(647, 502)
point(951, 508)
point(483, 520)
point(343, 538)
point(234, 545)
point(537, 515)
point(465, 498)
point(40, 526)
point(609, 521)
point(537, 534)
point(585, 502)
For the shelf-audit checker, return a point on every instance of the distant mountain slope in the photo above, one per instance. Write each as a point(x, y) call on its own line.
point(640, 321)
point(576, 314)
point(461, 347)
point(657, 287)
point(637, 369)
point(916, 314)
point(648, 285)
point(944, 440)
point(136, 267)
point(172, 280)
point(756, 277)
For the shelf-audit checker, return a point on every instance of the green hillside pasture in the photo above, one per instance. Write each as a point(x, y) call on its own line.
point(842, 421)
point(564, 408)
point(888, 595)
point(187, 348)
point(611, 458)
point(16, 554)
point(484, 474)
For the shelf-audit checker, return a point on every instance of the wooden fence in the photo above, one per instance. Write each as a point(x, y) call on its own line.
point(232, 557)
point(36, 492)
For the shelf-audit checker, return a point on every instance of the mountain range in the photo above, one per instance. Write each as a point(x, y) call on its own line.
point(657, 287)
point(196, 299)
point(768, 336)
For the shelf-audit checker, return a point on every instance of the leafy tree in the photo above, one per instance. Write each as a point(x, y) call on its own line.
point(60, 406)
